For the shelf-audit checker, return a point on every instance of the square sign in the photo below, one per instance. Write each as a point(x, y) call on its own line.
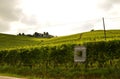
point(79, 54)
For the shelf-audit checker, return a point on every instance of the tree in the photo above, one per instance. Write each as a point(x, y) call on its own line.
point(47, 33)
point(23, 34)
point(19, 34)
point(92, 30)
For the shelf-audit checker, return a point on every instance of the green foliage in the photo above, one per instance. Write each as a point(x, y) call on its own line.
point(79, 53)
point(55, 58)
point(17, 42)
point(99, 52)
point(102, 51)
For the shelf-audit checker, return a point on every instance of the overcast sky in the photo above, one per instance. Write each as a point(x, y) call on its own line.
point(58, 17)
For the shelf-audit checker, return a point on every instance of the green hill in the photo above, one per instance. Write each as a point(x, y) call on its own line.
point(13, 41)
point(54, 57)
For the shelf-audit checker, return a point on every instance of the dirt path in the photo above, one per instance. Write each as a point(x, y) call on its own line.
point(6, 77)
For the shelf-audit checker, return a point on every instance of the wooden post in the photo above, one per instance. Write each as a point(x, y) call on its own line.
point(104, 28)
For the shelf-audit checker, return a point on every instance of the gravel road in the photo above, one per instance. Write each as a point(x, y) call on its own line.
point(6, 77)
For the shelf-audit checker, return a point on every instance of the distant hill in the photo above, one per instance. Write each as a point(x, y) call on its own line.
point(13, 41)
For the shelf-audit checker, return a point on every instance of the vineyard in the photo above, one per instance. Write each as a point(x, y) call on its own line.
point(54, 58)
point(17, 42)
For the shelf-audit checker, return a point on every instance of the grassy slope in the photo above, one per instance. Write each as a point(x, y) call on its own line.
point(12, 41)
point(86, 37)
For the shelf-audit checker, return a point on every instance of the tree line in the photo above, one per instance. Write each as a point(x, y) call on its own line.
point(38, 35)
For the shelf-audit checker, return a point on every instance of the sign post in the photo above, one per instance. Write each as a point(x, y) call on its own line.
point(79, 54)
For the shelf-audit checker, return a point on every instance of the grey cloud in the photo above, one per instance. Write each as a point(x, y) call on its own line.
point(108, 4)
point(83, 27)
point(29, 20)
point(4, 26)
point(23, 30)
point(87, 25)
point(90, 24)
point(28, 30)
point(9, 12)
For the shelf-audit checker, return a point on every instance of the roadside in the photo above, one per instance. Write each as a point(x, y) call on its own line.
point(6, 77)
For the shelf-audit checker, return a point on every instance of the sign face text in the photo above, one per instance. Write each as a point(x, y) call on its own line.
point(79, 54)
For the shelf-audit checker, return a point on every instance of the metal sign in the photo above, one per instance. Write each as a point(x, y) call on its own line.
point(79, 54)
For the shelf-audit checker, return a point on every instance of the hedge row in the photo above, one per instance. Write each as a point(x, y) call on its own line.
point(51, 56)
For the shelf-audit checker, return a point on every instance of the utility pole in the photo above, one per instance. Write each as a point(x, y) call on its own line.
point(104, 28)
